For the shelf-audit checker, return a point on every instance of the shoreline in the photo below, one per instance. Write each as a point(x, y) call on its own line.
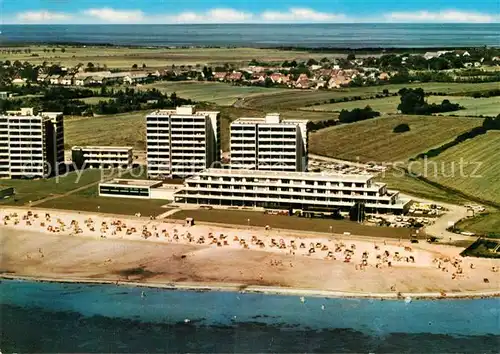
point(265, 290)
point(135, 251)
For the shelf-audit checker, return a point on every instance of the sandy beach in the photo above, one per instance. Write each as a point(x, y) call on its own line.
point(72, 246)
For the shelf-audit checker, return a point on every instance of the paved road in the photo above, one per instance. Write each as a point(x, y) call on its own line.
point(452, 216)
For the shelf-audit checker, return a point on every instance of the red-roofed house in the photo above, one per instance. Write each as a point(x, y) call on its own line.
point(221, 76)
point(236, 76)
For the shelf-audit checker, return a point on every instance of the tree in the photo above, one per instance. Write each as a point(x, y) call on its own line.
point(143, 66)
point(53, 50)
point(411, 99)
point(311, 62)
point(134, 66)
point(90, 65)
point(385, 92)
point(351, 56)
point(401, 128)
point(63, 50)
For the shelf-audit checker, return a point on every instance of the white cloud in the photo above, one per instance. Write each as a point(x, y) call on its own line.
point(441, 16)
point(42, 16)
point(107, 14)
point(300, 15)
point(221, 15)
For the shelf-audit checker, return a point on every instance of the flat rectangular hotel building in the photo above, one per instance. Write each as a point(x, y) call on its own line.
point(269, 144)
point(289, 190)
point(31, 144)
point(102, 156)
point(182, 142)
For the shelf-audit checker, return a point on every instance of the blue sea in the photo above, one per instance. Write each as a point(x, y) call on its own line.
point(58, 317)
point(360, 35)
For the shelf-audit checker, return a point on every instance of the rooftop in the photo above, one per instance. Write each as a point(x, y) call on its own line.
point(133, 182)
point(187, 110)
point(105, 148)
point(31, 112)
point(320, 176)
point(270, 118)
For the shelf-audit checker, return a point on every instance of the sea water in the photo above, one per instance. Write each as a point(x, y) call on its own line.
point(64, 317)
point(355, 35)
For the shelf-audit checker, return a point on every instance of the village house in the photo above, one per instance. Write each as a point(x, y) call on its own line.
point(82, 80)
point(54, 79)
point(383, 76)
point(220, 76)
point(135, 78)
point(235, 76)
point(66, 80)
point(42, 78)
point(303, 84)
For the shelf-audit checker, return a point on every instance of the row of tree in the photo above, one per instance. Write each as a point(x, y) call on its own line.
point(69, 101)
point(357, 114)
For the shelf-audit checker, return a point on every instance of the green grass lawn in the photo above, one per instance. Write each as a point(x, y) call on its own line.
point(220, 93)
point(33, 190)
point(485, 224)
point(374, 140)
point(239, 217)
point(472, 167)
point(93, 203)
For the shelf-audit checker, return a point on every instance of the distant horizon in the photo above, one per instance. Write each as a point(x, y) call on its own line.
point(262, 23)
point(303, 35)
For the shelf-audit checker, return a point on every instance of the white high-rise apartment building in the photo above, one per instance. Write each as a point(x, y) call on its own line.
point(31, 144)
point(182, 142)
point(269, 144)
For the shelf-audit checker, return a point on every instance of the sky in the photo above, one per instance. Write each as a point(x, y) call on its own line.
point(246, 11)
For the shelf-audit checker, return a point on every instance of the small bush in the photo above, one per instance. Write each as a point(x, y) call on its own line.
point(401, 128)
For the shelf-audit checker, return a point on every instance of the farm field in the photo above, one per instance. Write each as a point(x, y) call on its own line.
point(473, 106)
point(95, 99)
point(255, 218)
point(479, 175)
point(396, 179)
point(153, 57)
point(382, 105)
point(215, 92)
point(373, 139)
point(127, 129)
point(300, 98)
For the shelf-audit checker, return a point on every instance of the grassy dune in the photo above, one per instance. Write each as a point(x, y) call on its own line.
point(127, 129)
point(373, 140)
